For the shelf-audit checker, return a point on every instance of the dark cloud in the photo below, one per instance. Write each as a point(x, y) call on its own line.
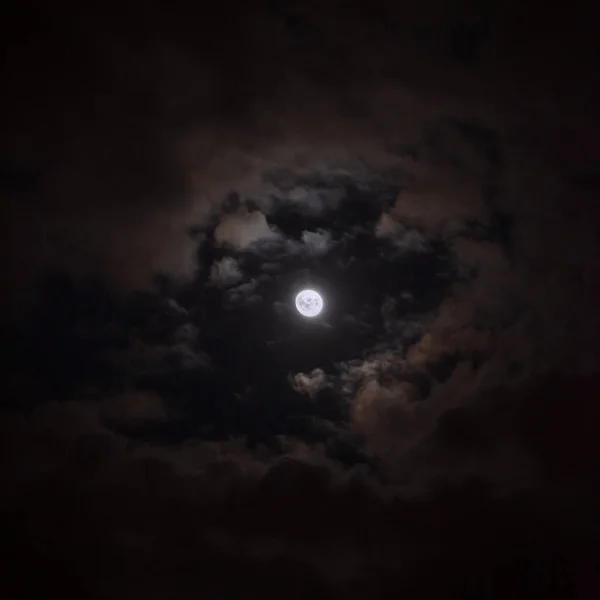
point(218, 505)
point(225, 272)
point(172, 427)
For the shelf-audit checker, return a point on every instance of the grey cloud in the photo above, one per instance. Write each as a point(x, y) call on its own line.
point(310, 383)
point(358, 372)
point(252, 232)
point(317, 243)
point(226, 272)
point(174, 306)
point(407, 328)
point(411, 241)
point(311, 201)
point(245, 288)
point(404, 239)
point(242, 230)
point(187, 358)
point(387, 226)
point(311, 244)
point(243, 294)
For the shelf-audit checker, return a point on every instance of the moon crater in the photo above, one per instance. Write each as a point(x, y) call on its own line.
point(309, 303)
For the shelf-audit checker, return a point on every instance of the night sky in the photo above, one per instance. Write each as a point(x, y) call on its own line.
point(172, 175)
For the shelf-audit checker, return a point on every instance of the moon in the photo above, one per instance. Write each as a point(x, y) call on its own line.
point(309, 303)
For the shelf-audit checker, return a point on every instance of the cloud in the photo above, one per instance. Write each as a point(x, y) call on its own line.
point(309, 383)
point(387, 226)
point(226, 272)
point(244, 230)
point(243, 294)
point(457, 433)
point(134, 406)
point(220, 504)
point(122, 197)
point(317, 243)
point(119, 199)
point(176, 307)
point(357, 372)
point(312, 244)
point(410, 240)
point(314, 202)
point(141, 358)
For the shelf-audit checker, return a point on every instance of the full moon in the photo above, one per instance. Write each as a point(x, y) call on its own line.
point(309, 303)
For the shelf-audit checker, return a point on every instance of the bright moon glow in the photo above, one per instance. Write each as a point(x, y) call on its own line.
point(309, 303)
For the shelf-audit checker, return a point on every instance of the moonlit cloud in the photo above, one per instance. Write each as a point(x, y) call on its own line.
point(387, 226)
point(431, 170)
point(317, 242)
point(243, 230)
point(406, 239)
point(243, 294)
point(313, 202)
point(309, 383)
point(226, 272)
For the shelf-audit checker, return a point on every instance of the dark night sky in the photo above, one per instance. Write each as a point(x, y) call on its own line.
point(170, 177)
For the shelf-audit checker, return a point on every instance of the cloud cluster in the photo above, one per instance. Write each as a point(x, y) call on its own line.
point(222, 503)
point(317, 243)
point(199, 428)
point(388, 227)
point(225, 272)
point(244, 230)
point(310, 383)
